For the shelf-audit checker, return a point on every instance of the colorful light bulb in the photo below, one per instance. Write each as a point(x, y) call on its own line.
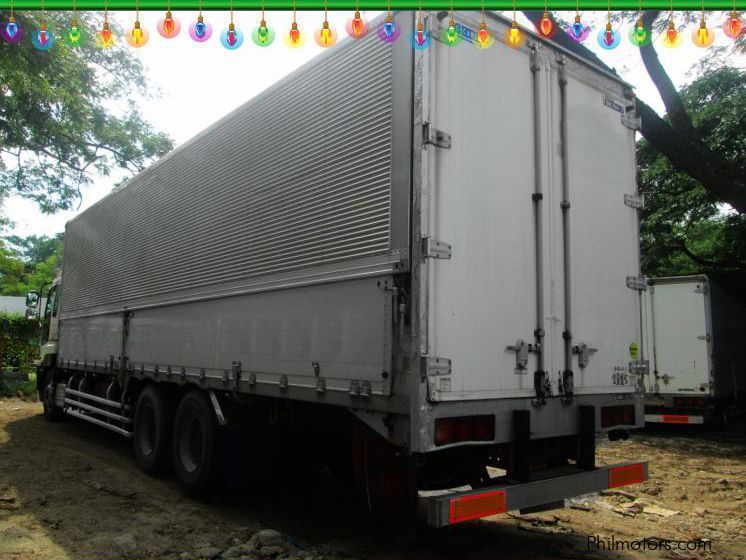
point(639, 36)
point(640, 32)
point(200, 30)
point(451, 36)
point(231, 37)
point(106, 37)
point(389, 31)
point(11, 32)
point(356, 26)
point(514, 38)
point(168, 26)
point(294, 38)
point(484, 38)
point(11, 28)
point(733, 27)
point(42, 39)
point(137, 36)
point(672, 39)
point(608, 38)
point(703, 37)
point(577, 31)
point(325, 36)
point(420, 38)
point(578, 27)
point(262, 35)
point(74, 35)
point(546, 25)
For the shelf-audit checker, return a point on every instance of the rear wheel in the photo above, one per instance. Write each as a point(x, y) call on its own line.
point(153, 426)
point(197, 449)
point(52, 413)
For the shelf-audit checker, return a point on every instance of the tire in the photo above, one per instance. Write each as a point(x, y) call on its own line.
point(153, 427)
point(52, 413)
point(197, 445)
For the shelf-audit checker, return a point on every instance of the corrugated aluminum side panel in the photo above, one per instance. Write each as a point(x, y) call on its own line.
point(296, 178)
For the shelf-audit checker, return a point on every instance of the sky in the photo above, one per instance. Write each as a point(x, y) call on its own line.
point(200, 82)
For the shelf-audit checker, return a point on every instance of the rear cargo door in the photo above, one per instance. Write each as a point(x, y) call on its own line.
point(477, 200)
point(482, 300)
point(680, 336)
point(603, 224)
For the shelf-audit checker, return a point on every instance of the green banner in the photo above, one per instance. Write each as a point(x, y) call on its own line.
point(192, 5)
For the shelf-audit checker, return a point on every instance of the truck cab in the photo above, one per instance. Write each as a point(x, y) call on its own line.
point(47, 311)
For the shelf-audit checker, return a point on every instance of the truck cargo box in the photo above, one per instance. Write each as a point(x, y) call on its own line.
point(694, 333)
point(443, 242)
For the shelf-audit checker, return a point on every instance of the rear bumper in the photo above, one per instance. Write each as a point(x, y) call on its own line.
point(456, 507)
point(674, 419)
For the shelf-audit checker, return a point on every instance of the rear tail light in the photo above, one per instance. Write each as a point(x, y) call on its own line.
point(621, 415)
point(626, 474)
point(690, 402)
point(464, 428)
point(478, 506)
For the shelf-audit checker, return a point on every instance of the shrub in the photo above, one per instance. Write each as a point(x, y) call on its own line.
point(19, 347)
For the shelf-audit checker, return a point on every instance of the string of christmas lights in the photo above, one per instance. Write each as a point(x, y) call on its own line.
point(357, 27)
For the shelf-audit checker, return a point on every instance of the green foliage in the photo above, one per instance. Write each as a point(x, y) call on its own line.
point(19, 343)
point(67, 115)
point(36, 264)
point(684, 229)
point(36, 248)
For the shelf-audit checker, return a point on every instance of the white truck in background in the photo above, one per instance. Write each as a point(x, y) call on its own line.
point(424, 261)
point(694, 337)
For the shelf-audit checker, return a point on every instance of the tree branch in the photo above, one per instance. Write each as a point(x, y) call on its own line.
point(681, 247)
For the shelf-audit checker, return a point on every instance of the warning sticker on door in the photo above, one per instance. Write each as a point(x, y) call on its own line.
point(634, 351)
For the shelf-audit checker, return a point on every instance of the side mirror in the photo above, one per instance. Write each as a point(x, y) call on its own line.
point(32, 304)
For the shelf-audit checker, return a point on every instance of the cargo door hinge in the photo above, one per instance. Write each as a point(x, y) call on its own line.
point(636, 201)
point(431, 135)
point(637, 283)
point(630, 118)
point(432, 249)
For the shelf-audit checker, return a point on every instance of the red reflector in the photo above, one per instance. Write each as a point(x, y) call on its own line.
point(675, 419)
point(464, 428)
point(628, 474)
point(622, 415)
point(478, 505)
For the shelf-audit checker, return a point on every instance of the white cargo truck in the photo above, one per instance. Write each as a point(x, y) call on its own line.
point(694, 334)
point(428, 258)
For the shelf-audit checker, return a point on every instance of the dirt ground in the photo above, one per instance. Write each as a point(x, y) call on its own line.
point(71, 490)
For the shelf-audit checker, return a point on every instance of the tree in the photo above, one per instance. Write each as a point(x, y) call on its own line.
point(58, 123)
point(34, 266)
point(685, 228)
point(36, 248)
point(675, 136)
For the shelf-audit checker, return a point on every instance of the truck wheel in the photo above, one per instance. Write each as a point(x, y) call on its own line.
point(196, 444)
point(153, 426)
point(52, 413)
